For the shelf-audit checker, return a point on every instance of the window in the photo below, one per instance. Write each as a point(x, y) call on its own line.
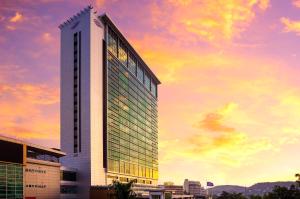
point(153, 88)
point(68, 189)
point(68, 176)
point(122, 53)
point(112, 42)
point(140, 74)
point(132, 64)
point(11, 181)
point(39, 155)
point(116, 166)
point(77, 90)
point(147, 81)
point(122, 167)
point(127, 168)
point(131, 115)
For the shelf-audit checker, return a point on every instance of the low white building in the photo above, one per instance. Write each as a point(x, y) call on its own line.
point(193, 188)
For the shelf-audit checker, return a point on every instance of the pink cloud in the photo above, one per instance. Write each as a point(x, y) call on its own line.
point(17, 18)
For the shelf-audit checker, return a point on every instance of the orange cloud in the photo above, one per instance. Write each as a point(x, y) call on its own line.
point(9, 27)
point(23, 133)
point(211, 21)
point(290, 25)
point(99, 3)
point(263, 4)
point(296, 3)
point(26, 111)
point(47, 37)
point(212, 122)
point(17, 18)
point(33, 93)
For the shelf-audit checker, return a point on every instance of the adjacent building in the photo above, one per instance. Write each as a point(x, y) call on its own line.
point(194, 188)
point(28, 171)
point(174, 189)
point(108, 105)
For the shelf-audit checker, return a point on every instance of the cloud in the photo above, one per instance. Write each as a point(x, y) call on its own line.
point(217, 139)
point(290, 25)
point(47, 37)
point(213, 121)
point(17, 18)
point(22, 133)
point(263, 4)
point(2, 39)
point(296, 3)
point(2, 18)
point(99, 3)
point(9, 27)
point(219, 136)
point(35, 94)
point(211, 21)
point(28, 111)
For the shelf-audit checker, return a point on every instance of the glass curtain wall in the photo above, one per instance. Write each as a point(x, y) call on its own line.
point(11, 181)
point(131, 115)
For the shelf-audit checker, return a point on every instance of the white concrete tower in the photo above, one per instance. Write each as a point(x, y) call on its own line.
point(81, 94)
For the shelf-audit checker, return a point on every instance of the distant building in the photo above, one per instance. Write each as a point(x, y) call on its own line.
point(193, 188)
point(174, 189)
point(28, 170)
point(165, 194)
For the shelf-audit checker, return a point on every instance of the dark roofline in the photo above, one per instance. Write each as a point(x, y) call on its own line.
point(38, 147)
point(106, 20)
point(74, 17)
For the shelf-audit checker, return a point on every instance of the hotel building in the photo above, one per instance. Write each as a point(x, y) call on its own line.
point(108, 105)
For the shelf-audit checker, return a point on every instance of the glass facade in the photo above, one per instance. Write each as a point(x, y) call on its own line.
point(132, 64)
point(41, 155)
point(140, 74)
point(131, 116)
point(11, 180)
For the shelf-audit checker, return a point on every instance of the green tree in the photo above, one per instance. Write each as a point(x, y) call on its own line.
point(255, 197)
point(298, 179)
point(226, 195)
point(124, 190)
point(279, 193)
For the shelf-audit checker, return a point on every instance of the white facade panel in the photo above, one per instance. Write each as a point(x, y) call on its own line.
point(42, 180)
point(89, 161)
point(96, 102)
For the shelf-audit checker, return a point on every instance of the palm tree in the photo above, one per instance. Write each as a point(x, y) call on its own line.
point(124, 190)
point(297, 175)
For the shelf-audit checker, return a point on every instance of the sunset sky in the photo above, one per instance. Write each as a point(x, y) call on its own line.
point(229, 102)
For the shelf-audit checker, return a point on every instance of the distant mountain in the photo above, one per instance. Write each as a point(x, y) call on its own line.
point(265, 187)
point(217, 190)
point(256, 189)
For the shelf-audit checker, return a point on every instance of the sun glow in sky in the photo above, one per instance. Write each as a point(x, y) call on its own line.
point(229, 102)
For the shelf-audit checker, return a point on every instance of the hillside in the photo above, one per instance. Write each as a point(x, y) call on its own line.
point(256, 189)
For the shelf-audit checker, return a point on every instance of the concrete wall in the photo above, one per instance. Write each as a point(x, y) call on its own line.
point(88, 162)
point(98, 176)
point(41, 179)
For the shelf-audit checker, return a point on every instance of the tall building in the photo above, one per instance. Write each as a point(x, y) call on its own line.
point(108, 104)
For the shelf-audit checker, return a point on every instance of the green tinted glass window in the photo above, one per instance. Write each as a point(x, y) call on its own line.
point(131, 118)
point(11, 180)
